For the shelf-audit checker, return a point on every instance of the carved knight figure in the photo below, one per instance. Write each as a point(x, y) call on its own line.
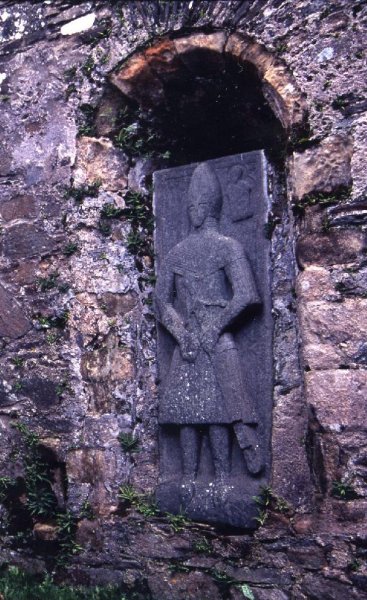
point(204, 286)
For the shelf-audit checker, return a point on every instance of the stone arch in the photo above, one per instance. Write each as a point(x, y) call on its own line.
point(143, 76)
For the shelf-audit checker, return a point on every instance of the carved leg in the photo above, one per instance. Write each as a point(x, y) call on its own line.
point(220, 448)
point(189, 442)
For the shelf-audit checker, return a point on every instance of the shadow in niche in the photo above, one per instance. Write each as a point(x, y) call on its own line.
point(219, 113)
point(213, 106)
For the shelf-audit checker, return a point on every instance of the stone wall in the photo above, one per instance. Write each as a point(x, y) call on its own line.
point(90, 109)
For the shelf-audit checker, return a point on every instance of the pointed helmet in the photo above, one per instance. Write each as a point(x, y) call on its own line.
point(204, 185)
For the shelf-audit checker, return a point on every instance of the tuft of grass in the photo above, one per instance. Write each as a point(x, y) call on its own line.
point(141, 502)
point(129, 443)
point(177, 522)
point(48, 283)
point(70, 74)
point(321, 199)
point(88, 66)
point(269, 501)
point(17, 361)
point(40, 499)
point(340, 102)
point(128, 494)
point(18, 585)
point(202, 546)
point(135, 242)
point(70, 248)
point(343, 490)
point(83, 191)
point(59, 320)
point(111, 211)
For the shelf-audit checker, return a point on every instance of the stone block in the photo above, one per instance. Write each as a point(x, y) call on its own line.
point(43, 392)
point(183, 586)
point(102, 431)
point(338, 397)
point(332, 333)
point(333, 248)
point(136, 80)
point(353, 511)
point(307, 555)
point(358, 161)
point(290, 471)
point(98, 159)
point(323, 168)
point(26, 241)
point(315, 283)
point(267, 594)
point(108, 364)
point(23, 274)
point(5, 160)
point(316, 586)
point(101, 469)
point(163, 59)
point(13, 321)
point(118, 304)
point(153, 547)
point(89, 534)
point(47, 532)
point(19, 207)
point(202, 53)
point(352, 214)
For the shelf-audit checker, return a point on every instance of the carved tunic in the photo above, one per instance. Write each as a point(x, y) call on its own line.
point(205, 284)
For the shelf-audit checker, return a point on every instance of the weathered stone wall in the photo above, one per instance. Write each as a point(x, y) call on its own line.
point(87, 116)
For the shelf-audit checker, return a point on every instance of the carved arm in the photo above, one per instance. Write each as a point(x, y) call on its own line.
point(244, 291)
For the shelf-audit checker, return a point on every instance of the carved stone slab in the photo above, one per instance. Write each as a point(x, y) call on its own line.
point(214, 320)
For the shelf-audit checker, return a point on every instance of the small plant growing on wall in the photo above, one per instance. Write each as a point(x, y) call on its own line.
point(269, 502)
point(343, 490)
point(83, 191)
point(129, 443)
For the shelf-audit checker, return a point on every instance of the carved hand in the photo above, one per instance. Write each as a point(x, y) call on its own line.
point(189, 346)
point(209, 338)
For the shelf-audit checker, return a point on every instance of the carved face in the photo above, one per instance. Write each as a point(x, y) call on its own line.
point(199, 210)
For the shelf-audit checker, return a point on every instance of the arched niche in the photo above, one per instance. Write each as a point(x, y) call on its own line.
point(209, 95)
point(202, 96)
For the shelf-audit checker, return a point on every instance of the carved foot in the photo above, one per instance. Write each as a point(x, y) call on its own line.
point(187, 492)
point(222, 487)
